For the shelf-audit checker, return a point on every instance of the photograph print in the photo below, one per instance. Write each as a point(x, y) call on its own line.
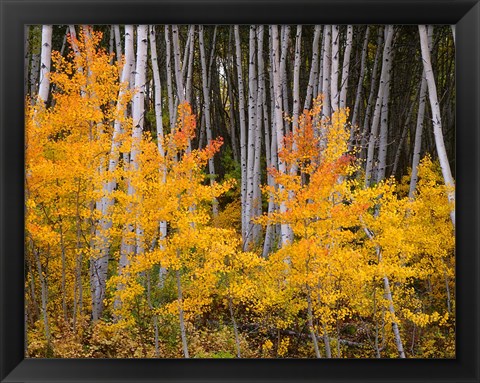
point(240, 191)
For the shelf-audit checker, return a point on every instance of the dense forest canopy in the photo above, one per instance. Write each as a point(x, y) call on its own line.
point(240, 191)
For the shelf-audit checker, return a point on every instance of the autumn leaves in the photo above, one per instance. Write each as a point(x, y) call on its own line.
point(123, 240)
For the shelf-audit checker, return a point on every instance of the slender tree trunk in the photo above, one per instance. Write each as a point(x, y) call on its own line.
point(138, 110)
point(44, 295)
point(118, 41)
point(313, 68)
point(183, 331)
point(373, 83)
point(64, 272)
point(391, 309)
point(346, 67)
point(359, 95)
point(296, 78)
point(257, 194)
point(34, 74)
point(335, 65)
point(252, 120)
point(178, 64)
point(417, 149)
point(45, 61)
point(327, 62)
point(235, 328)
point(26, 56)
point(231, 109)
point(189, 80)
point(100, 265)
point(277, 90)
point(206, 111)
point(326, 340)
point(376, 116)
point(285, 38)
point(436, 119)
point(171, 112)
point(311, 328)
point(296, 82)
point(383, 142)
point(388, 297)
point(158, 113)
point(243, 130)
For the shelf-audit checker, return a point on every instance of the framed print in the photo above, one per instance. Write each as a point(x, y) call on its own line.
point(237, 191)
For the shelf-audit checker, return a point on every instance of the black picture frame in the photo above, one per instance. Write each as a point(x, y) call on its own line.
point(17, 13)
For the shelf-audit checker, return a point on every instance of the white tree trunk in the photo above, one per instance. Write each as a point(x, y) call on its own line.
point(243, 132)
point(389, 298)
point(327, 62)
point(171, 112)
point(158, 112)
point(285, 34)
point(257, 194)
point(335, 71)
point(118, 41)
point(206, 110)
point(436, 119)
point(138, 111)
point(296, 84)
point(313, 68)
point(373, 83)
point(34, 74)
point(417, 148)
point(383, 142)
point(358, 96)
point(277, 89)
point(26, 55)
point(376, 116)
point(252, 120)
point(178, 64)
point(189, 80)
point(183, 331)
point(45, 61)
point(346, 67)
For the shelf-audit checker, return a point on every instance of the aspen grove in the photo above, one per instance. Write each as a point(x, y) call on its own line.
point(255, 191)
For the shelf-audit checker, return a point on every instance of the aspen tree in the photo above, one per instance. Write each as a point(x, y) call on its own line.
point(334, 94)
point(135, 246)
point(158, 111)
point(45, 60)
point(285, 39)
point(327, 64)
point(277, 89)
point(243, 130)
point(384, 121)
point(313, 68)
point(436, 118)
point(373, 83)
point(252, 128)
point(372, 142)
point(346, 67)
point(296, 80)
point(417, 148)
point(206, 106)
point(359, 92)
point(257, 195)
point(118, 41)
point(171, 112)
